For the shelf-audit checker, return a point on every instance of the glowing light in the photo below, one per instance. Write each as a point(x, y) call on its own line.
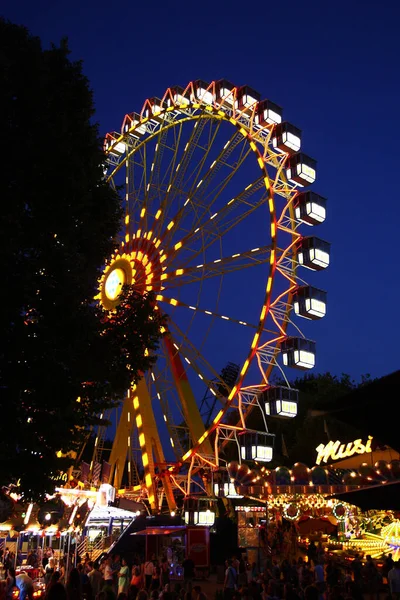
point(114, 283)
point(337, 450)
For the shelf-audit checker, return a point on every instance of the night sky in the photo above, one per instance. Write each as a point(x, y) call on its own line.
point(332, 66)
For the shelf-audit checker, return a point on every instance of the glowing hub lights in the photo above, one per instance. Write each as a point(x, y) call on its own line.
point(161, 254)
point(113, 284)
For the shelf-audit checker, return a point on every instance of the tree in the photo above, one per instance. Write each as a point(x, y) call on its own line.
point(60, 364)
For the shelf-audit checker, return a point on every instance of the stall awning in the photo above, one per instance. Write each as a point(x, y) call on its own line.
point(159, 530)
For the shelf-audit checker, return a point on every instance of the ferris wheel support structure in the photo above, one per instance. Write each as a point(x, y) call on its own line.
point(200, 165)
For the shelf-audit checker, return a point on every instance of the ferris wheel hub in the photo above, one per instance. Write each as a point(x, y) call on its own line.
point(137, 263)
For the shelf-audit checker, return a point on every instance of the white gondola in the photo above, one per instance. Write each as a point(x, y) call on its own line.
point(286, 138)
point(313, 253)
point(310, 208)
point(310, 302)
point(298, 353)
point(280, 401)
point(301, 169)
point(268, 113)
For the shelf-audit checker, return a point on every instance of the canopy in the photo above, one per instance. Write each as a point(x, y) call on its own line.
point(309, 525)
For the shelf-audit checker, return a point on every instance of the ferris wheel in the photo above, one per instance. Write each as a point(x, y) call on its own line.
point(214, 204)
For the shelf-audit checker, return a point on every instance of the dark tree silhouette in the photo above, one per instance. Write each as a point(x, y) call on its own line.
point(60, 364)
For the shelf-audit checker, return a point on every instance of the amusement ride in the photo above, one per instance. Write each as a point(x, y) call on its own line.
point(215, 215)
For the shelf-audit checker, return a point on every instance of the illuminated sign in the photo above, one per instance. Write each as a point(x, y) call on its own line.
point(337, 450)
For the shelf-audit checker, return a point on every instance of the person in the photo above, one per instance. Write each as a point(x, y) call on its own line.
point(394, 581)
point(123, 578)
point(311, 593)
point(155, 580)
point(356, 567)
point(312, 553)
point(95, 578)
point(319, 578)
point(108, 573)
point(122, 596)
point(148, 573)
point(56, 592)
point(229, 581)
point(55, 578)
point(164, 571)
point(49, 570)
point(136, 583)
point(188, 570)
point(388, 565)
point(25, 585)
point(61, 570)
point(73, 587)
point(371, 575)
point(10, 583)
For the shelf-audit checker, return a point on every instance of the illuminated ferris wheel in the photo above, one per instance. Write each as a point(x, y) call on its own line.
point(214, 203)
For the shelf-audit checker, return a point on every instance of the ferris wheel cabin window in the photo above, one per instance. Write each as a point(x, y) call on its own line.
point(280, 401)
point(256, 445)
point(313, 253)
point(268, 113)
point(201, 92)
point(301, 169)
point(225, 91)
point(310, 208)
point(287, 138)
point(298, 353)
point(310, 302)
point(246, 98)
point(156, 106)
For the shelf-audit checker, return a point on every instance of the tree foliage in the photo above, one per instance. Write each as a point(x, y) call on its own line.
point(60, 364)
point(296, 439)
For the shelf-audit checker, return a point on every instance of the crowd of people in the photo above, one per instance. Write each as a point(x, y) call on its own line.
point(311, 578)
point(110, 578)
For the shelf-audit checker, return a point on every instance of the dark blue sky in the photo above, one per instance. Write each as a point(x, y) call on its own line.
point(332, 66)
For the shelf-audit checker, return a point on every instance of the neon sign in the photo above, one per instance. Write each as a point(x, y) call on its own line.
point(337, 450)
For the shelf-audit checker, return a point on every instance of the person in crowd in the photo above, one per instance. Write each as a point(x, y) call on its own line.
point(230, 580)
point(371, 577)
point(148, 573)
point(188, 570)
point(9, 583)
point(108, 573)
point(164, 571)
point(123, 578)
point(136, 583)
point(73, 586)
point(56, 592)
point(155, 579)
point(394, 581)
point(95, 578)
point(49, 570)
point(61, 570)
point(25, 585)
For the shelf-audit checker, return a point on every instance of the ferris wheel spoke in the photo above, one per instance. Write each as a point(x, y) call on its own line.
point(162, 394)
point(220, 266)
point(218, 224)
point(174, 222)
point(210, 313)
point(193, 358)
point(151, 192)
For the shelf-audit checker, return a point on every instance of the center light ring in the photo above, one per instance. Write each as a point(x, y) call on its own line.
point(119, 265)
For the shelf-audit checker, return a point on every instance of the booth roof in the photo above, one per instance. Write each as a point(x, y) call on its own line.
point(159, 530)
